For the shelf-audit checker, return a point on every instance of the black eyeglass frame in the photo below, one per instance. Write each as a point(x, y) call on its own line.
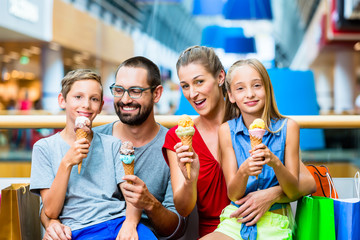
point(127, 90)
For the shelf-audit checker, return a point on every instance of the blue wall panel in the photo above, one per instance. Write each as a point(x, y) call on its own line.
point(295, 95)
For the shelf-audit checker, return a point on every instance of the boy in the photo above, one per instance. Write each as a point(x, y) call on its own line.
point(90, 203)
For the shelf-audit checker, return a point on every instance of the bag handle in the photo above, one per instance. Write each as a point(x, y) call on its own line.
point(317, 170)
point(317, 175)
point(328, 177)
point(24, 189)
point(331, 184)
point(357, 183)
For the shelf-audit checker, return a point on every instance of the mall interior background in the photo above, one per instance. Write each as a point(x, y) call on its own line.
point(311, 48)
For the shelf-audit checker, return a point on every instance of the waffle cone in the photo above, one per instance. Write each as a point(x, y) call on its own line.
point(129, 169)
point(80, 133)
point(255, 141)
point(187, 140)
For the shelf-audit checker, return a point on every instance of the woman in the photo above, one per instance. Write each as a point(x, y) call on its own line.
point(202, 79)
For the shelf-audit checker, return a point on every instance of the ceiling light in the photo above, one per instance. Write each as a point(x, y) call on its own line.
point(85, 55)
point(25, 52)
point(357, 46)
point(78, 58)
point(6, 59)
point(14, 55)
point(6, 76)
point(29, 76)
point(35, 50)
point(14, 74)
point(54, 46)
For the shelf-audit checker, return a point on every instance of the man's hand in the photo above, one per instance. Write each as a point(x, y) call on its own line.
point(57, 231)
point(128, 231)
point(137, 193)
point(253, 206)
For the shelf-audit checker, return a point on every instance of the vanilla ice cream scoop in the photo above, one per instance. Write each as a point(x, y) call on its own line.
point(257, 123)
point(82, 130)
point(81, 122)
point(185, 132)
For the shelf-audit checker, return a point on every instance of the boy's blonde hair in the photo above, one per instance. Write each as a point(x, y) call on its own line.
point(77, 75)
point(271, 111)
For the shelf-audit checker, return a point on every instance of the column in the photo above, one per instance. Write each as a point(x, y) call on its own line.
point(344, 81)
point(323, 88)
point(108, 78)
point(53, 73)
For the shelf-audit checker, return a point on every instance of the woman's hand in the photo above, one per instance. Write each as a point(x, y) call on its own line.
point(184, 156)
point(254, 205)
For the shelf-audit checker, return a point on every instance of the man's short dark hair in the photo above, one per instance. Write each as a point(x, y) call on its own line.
point(153, 71)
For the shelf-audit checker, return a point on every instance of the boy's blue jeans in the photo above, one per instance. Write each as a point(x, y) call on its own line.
point(109, 230)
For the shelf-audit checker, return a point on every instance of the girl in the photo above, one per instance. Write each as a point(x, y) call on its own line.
point(275, 161)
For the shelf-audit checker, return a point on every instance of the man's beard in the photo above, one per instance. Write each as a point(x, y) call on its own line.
point(134, 120)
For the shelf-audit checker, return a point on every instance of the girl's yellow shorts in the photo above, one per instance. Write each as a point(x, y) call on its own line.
point(270, 226)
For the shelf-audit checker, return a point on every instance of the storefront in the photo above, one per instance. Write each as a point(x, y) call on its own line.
point(40, 40)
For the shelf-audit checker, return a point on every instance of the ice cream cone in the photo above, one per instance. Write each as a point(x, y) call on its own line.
point(187, 141)
point(129, 169)
point(80, 133)
point(256, 132)
point(127, 157)
point(185, 132)
point(255, 141)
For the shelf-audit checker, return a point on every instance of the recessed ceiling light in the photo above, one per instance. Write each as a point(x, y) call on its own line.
point(6, 59)
point(14, 55)
point(25, 52)
point(357, 46)
point(54, 46)
point(35, 50)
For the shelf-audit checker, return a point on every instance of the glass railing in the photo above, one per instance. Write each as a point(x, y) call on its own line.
point(340, 133)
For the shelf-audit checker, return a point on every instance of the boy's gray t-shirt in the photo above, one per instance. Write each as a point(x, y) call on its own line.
point(93, 196)
point(151, 168)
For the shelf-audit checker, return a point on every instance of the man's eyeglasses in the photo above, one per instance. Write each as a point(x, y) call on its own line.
point(134, 92)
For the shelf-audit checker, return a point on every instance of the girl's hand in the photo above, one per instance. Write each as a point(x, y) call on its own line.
point(262, 153)
point(77, 152)
point(252, 166)
point(184, 156)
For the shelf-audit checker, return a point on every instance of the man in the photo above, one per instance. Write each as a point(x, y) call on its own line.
point(136, 90)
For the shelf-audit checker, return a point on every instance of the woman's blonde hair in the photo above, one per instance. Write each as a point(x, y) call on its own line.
point(270, 111)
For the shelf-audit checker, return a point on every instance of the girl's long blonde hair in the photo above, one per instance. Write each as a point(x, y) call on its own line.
point(271, 111)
